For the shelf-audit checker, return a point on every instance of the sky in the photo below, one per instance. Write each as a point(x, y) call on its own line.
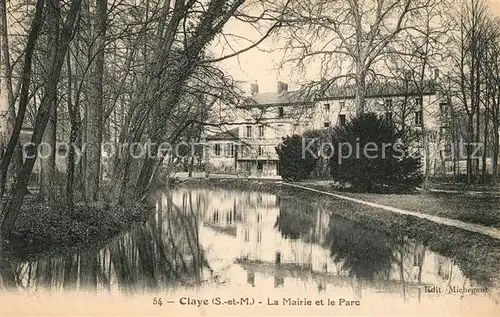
point(262, 64)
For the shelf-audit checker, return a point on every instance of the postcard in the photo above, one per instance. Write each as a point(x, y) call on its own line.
point(250, 158)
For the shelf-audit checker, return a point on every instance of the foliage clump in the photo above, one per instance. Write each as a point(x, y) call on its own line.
point(378, 158)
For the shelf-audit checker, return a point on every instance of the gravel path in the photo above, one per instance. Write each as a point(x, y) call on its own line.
point(492, 232)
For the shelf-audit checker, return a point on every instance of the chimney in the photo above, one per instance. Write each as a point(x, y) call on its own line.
point(282, 87)
point(254, 88)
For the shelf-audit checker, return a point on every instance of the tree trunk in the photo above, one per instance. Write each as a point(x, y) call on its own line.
point(470, 138)
point(13, 204)
point(9, 150)
point(478, 111)
point(496, 146)
point(361, 92)
point(73, 137)
point(95, 108)
point(7, 111)
point(48, 159)
point(484, 148)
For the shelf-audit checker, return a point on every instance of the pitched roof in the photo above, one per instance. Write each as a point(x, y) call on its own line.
point(384, 89)
point(274, 98)
point(232, 134)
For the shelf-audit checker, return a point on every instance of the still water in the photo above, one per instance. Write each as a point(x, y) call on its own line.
point(203, 241)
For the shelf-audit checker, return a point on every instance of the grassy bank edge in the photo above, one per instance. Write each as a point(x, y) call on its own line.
point(43, 231)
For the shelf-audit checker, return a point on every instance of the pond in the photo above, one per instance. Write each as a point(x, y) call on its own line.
point(207, 242)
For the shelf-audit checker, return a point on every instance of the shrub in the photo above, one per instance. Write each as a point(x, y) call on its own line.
point(383, 168)
point(293, 164)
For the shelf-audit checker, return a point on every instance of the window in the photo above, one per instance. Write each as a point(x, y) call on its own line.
point(408, 75)
point(342, 104)
point(259, 236)
point(443, 107)
point(249, 131)
point(418, 101)
point(388, 115)
point(342, 120)
point(327, 107)
point(217, 149)
point(417, 259)
point(229, 150)
point(262, 131)
point(281, 112)
point(418, 117)
point(261, 150)
point(388, 103)
point(326, 124)
point(443, 110)
point(247, 235)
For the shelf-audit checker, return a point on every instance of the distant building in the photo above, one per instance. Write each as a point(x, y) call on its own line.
point(247, 147)
point(221, 150)
point(61, 155)
point(399, 101)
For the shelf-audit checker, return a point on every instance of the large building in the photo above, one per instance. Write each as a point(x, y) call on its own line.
point(247, 147)
point(409, 107)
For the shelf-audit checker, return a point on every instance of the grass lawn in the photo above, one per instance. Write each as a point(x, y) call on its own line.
point(481, 209)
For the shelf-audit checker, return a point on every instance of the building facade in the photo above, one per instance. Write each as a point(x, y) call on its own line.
point(248, 148)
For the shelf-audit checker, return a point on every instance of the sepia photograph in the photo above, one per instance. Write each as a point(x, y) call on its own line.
point(249, 158)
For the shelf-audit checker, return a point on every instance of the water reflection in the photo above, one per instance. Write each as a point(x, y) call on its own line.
point(163, 252)
point(208, 238)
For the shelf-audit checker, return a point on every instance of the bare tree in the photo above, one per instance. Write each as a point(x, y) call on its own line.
point(24, 95)
point(347, 37)
point(7, 111)
point(13, 204)
point(95, 113)
point(470, 45)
